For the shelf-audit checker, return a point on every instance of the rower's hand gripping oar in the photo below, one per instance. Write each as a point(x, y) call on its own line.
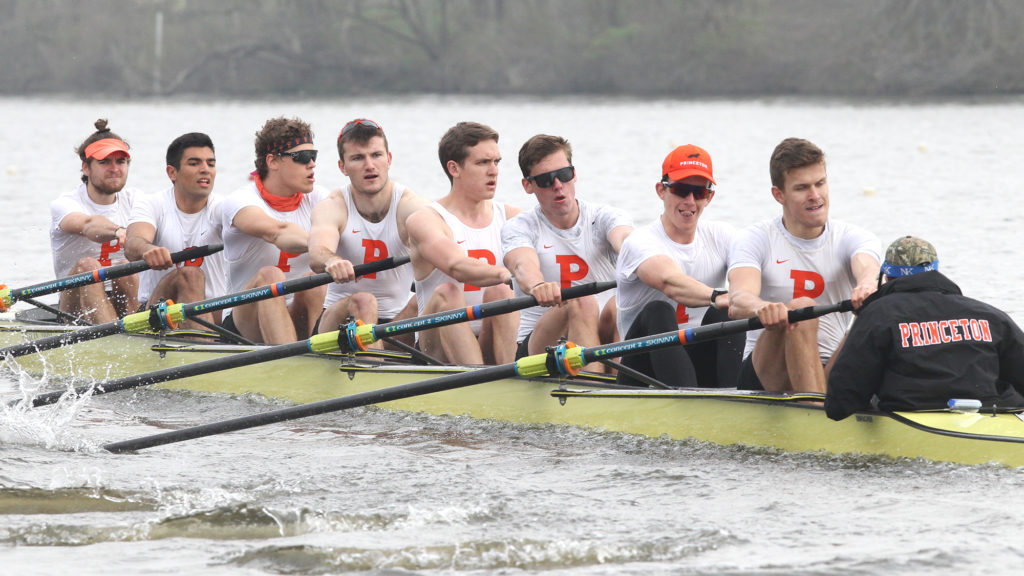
point(168, 315)
point(320, 343)
point(565, 359)
point(8, 296)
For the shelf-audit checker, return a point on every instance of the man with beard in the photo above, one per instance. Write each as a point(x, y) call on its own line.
point(266, 234)
point(360, 223)
point(182, 216)
point(88, 228)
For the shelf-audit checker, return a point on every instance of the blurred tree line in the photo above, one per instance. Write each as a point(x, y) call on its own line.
point(632, 47)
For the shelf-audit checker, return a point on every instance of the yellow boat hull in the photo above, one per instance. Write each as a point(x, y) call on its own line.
point(727, 417)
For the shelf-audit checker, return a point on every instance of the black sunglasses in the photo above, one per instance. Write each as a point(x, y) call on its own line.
point(359, 122)
point(301, 157)
point(547, 179)
point(682, 189)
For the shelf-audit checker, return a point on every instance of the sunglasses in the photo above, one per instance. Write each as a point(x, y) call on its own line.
point(547, 179)
point(359, 122)
point(682, 189)
point(301, 157)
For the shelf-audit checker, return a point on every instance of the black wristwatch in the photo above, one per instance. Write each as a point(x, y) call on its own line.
point(714, 296)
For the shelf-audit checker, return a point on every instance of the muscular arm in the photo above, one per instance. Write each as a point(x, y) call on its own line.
point(93, 226)
point(410, 203)
point(327, 221)
point(287, 236)
point(524, 265)
point(865, 273)
point(139, 246)
point(662, 273)
point(433, 247)
point(745, 299)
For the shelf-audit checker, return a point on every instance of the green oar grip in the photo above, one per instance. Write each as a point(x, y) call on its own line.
point(6, 300)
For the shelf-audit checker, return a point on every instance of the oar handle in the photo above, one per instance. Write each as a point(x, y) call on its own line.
point(568, 361)
point(286, 287)
point(9, 297)
point(358, 337)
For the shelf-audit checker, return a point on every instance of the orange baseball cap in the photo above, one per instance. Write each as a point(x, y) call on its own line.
point(688, 160)
point(100, 149)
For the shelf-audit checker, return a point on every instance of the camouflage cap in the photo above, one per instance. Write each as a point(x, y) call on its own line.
point(909, 255)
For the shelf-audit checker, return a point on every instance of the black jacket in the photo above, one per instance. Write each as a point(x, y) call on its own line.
point(917, 342)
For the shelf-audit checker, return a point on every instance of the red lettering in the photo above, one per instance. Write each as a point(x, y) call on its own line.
point(986, 332)
point(282, 261)
point(807, 283)
point(944, 332)
point(915, 334)
point(479, 254)
point(953, 332)
point(194, 261)
point(975, 330)
point(373, 250)
point(904, 334)
point(566, 272)
point(681, 316)
point(933, 333)
point(965, 328)
point(108, 248)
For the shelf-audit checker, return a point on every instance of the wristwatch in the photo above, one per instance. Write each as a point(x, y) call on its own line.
point(714, 296)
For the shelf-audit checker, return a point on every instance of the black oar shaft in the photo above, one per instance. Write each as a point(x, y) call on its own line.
point(49, 343)
point(189, 310)
point(286, 287)
point(478, 376)
point(485, 310)
point(108, 273)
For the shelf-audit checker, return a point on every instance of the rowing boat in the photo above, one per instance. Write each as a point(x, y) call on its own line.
point(790, 422)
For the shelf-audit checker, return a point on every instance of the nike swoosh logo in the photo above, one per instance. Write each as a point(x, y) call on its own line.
point(460, 241)
point(777, 261)
point(355, 231)
point(546, 247)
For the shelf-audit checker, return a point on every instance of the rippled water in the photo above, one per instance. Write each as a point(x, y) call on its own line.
point(377, 492)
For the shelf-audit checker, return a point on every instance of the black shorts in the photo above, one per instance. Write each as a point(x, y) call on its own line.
point(523, 349)
point(229, 324)
point(748, 379)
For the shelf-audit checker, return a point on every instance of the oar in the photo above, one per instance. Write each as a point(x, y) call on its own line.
point(167, 316)
point(320, 344)
point(563, 360)
point(8, 296)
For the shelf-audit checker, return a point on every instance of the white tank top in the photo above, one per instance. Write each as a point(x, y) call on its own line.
point(177, 231)
point(363, 241)
point(246, 254)
point(482, 243)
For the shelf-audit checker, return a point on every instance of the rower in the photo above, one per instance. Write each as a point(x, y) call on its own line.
point(562, 242)
point(182, 216)
point(670, 274)
point(801, 258)
point(919, 343)
point(362, 222)
point(456, 251)
point(266, 233)
point(88, 229)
